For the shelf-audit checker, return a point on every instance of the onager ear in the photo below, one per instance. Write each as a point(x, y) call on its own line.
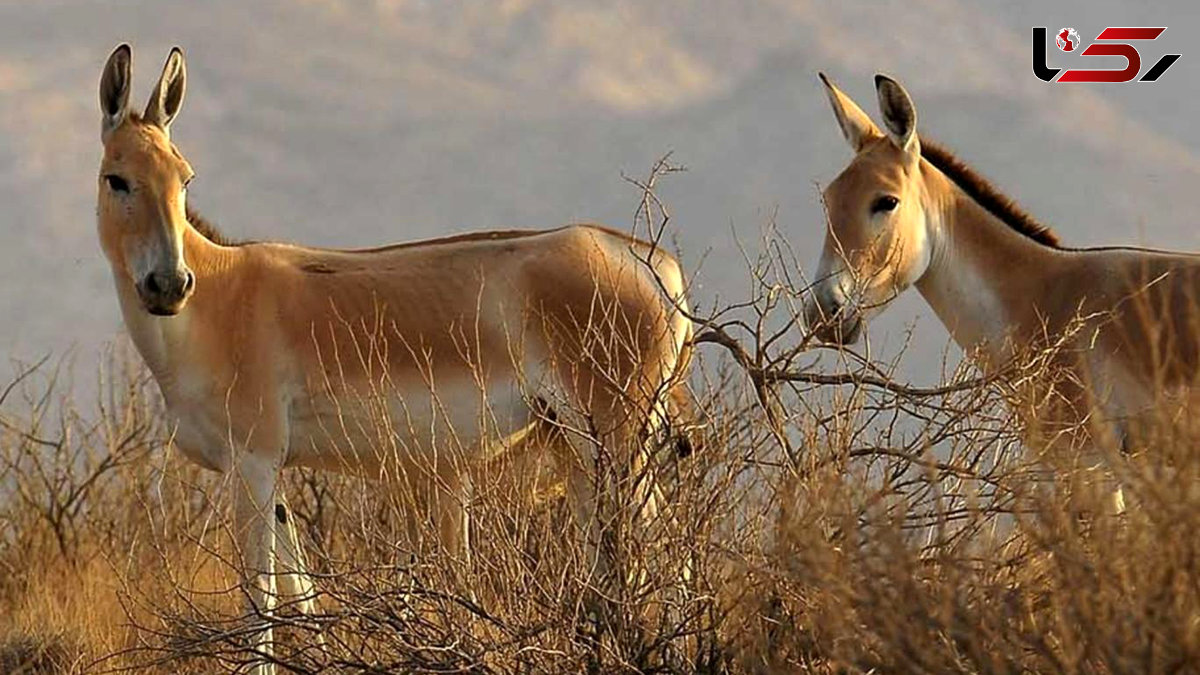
point(899, 114)
point(856, 126)
point(167, 97)
point(114, 90)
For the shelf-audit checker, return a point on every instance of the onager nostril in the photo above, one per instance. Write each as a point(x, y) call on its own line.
point(189, 281)
point(152, 285)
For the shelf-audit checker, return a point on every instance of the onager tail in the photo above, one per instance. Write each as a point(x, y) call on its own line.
point(682, 421)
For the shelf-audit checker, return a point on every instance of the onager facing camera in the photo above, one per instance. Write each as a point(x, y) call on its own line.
point(271, 355)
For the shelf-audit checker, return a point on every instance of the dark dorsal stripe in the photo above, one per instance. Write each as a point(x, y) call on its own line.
point(211, 233)
point(982, 191)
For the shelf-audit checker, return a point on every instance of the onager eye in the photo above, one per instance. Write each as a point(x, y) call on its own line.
point(116, 183)
point(884, 204)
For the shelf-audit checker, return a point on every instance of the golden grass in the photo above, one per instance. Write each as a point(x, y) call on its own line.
point(899, 532)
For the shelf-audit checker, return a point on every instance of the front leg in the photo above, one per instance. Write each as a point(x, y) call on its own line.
point(295, 586)
point(255, 477)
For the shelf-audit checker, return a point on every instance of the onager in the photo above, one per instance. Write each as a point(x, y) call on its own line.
point(906, 212)
point(271, 355)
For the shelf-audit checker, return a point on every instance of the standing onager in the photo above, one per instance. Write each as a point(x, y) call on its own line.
point(271, 355)
point(906, 212)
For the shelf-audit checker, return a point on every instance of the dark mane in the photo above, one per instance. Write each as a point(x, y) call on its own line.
point(986, 194)
point(209, 230)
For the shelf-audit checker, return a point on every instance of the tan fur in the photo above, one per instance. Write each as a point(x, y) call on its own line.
point(409, 362)
point(1002, 284)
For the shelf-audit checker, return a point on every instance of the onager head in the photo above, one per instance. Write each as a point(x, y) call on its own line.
point(143, 181)
point(877, 241)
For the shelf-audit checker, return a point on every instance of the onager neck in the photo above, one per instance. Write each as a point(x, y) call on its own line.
point(983, 277)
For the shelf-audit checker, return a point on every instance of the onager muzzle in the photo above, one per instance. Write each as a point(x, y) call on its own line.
point(831, 319)
point(164, 292)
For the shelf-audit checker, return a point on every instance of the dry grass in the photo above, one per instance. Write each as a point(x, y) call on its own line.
point(835, 520)
point(856, 527)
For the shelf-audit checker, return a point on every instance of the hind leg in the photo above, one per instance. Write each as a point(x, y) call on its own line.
point(529, 463)
point(612, 492)
point(452, 514)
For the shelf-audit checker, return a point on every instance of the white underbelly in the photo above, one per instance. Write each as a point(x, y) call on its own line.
point(404, 427)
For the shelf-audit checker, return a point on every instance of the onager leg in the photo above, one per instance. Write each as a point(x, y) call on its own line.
point(292, 577)
point(450, 506)
point(435, 493)
point(612, 491)
point(255, 477)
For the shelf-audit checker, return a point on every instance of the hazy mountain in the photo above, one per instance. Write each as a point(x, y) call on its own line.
point(349, 124)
